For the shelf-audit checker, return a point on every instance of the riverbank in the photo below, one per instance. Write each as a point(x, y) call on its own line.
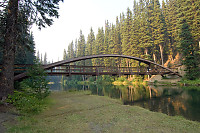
point(81, 112)
point(173, 81)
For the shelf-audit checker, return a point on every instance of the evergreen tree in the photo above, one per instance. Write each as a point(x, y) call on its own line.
point(106, 43)
point(187, 47)
point(112, 44)
point(64, 54)
point(81, 47)
point(90, 46)
point(76, 48)
point(171, 23)
point(115, 43)
point(41, 59)
point(126, 36)
point(190, 12)
point(45, 59)
point(39, 12)
point(157, 29)
point(196, 22)
point(99, 47)
point(70, 51)
point(135, 34)
point(30, 54)
point(144, 36)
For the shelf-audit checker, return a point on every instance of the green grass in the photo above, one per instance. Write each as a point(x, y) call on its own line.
point(191, 82)
point(80, 112)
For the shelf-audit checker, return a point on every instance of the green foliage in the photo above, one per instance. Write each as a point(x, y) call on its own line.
point(195, 82)
point(36, 84)
point(108, 78)
point(155, 82)
point(149, 31)
point(121, 79)
point(187, 47)
point(24, 102)
point(30, 98)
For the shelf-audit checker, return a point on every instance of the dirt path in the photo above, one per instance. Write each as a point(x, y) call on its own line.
point(80, 112)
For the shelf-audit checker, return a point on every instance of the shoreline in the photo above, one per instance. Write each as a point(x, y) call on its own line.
point(82, 112)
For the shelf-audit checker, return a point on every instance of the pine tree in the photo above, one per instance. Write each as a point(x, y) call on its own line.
point(145, 40)
point(30, 53)
point(90, 46)
point(76, 48)
point(196, 21)
point(45, 59)
point(70, 51)
point(157, 29)
point(38, 55)
point(40, 13)
point(64, 55)
point(41, 59)
point(190, 12)
point(187, 47)
point(81, 47)
point(171, 23)
point(99, 47)
point(126, 36)
point(117, 42)
point(106, 43)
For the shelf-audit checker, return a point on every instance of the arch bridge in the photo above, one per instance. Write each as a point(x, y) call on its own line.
point(64, 69)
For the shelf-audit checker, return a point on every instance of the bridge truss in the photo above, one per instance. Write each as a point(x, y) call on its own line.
point(63, 68)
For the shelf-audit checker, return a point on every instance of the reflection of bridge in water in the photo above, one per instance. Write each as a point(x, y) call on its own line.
point(63, 68)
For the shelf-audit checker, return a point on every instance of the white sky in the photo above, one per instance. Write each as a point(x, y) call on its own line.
point(76, 15)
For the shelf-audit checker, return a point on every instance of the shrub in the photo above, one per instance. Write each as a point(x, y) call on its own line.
point(26, 104)
point(36, 84)
point(31, 92)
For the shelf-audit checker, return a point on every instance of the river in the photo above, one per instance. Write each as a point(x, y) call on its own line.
point(165, 99)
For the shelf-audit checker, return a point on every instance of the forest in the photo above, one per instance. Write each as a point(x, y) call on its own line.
point(166, 33)
point(151, 31)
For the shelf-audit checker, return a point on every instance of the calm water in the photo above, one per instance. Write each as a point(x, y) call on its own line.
point(168, 100)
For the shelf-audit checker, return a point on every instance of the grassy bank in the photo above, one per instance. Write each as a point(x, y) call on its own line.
point(75, 112)
point(190, 82)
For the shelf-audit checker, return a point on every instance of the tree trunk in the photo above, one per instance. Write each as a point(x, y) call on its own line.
point(154, 58)
point(161, 54)
point(7, 75)
point(146, 51)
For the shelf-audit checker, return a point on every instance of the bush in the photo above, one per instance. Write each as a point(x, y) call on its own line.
point(31, 93)
point(36, 84)
point(26, 104)
point(121, 79)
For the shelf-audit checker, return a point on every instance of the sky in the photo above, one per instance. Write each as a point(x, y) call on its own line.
point(76, 15)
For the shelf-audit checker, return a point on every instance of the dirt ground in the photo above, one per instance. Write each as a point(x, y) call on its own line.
point(6, 114)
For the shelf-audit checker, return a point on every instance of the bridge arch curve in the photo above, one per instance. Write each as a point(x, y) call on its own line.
point(101, 56)
point(59, 63)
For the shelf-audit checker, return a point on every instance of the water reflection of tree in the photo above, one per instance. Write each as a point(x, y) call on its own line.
point(193, 103)
point(105, 90)
point(130, 94)
point(164, 100)
point(171, 101)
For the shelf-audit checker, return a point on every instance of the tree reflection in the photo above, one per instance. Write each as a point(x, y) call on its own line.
point(169, 100)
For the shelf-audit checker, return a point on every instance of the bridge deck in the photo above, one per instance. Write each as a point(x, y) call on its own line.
point(102, 70)
point(93, 70)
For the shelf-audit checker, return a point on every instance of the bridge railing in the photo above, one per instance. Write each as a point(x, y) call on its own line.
point(19, 68)
point(66, 69)
point(95, 70)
